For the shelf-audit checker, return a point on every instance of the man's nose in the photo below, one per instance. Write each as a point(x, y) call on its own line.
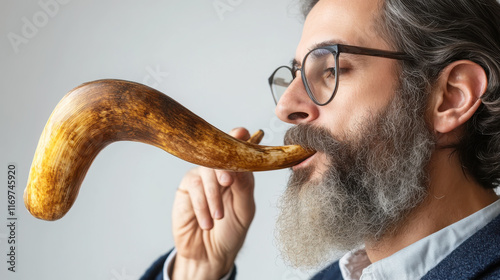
point(295, 106)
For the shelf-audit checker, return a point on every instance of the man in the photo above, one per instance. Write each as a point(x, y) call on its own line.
point(401, 101)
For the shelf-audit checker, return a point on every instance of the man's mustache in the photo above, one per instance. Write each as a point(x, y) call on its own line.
point(311, 137)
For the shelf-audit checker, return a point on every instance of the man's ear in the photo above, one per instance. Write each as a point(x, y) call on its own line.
point(457, 95)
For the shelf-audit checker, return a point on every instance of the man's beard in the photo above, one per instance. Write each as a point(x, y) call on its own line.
point(372, 182)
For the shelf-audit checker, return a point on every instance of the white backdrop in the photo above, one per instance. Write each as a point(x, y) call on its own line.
point(213, 56)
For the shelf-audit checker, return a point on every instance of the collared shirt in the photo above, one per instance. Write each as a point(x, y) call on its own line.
point(415, 260)
point(411, 262)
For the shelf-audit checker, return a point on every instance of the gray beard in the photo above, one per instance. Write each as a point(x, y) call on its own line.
point(373, 180)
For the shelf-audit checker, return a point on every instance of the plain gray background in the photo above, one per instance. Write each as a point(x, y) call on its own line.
point(213, 56)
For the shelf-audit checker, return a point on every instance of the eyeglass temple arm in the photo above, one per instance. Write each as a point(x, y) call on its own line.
point(373, 52)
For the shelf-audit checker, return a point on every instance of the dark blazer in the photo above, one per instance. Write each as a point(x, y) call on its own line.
point(477, 258)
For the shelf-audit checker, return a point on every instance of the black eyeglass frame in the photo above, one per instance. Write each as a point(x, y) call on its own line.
point(336, 49)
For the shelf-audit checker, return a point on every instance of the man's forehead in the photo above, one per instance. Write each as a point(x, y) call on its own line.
point(348, 22)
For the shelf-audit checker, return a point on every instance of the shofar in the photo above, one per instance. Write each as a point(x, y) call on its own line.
point(98, 113)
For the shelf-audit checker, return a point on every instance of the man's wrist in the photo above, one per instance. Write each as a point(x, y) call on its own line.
point(184, 268)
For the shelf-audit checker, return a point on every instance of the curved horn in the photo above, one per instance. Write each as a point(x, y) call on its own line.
point(98, 113)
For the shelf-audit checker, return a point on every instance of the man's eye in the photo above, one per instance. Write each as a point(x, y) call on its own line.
point(329, 72)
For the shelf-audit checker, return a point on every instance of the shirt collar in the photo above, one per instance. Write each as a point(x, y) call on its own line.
point(415, 260)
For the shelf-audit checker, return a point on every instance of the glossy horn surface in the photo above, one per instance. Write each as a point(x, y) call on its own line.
point(98, 113)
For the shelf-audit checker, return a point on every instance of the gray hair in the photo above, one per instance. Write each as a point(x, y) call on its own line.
point(436, 33)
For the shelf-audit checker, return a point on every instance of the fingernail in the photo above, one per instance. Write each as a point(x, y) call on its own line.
point(205, 224)
point(218, 214)
point(234, 129)
point(225, 179)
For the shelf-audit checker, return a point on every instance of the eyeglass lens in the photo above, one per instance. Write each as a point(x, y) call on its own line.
point(319, 70)
point(282, 78)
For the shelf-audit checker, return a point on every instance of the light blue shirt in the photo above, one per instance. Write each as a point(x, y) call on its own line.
point(414, 261)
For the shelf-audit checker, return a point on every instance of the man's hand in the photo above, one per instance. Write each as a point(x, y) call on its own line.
point(212, 212)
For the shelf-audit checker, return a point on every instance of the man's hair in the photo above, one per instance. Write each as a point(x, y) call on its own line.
point(436, 33)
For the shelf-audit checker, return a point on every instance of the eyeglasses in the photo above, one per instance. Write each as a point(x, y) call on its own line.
point(320, 71)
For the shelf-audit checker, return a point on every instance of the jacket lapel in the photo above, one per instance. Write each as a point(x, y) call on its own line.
point(477, 258)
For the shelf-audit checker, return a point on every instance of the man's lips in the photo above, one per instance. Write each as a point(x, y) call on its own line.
point(305, 163)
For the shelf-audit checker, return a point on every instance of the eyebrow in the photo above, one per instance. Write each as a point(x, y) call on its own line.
point(296, 63)
point(328, 43)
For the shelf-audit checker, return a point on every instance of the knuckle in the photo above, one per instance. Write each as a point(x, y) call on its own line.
point(212, 191)
point(199, 205)
point(191, 178)
point(195, 181)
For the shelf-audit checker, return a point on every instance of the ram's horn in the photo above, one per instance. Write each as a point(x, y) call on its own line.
point(98, 113)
